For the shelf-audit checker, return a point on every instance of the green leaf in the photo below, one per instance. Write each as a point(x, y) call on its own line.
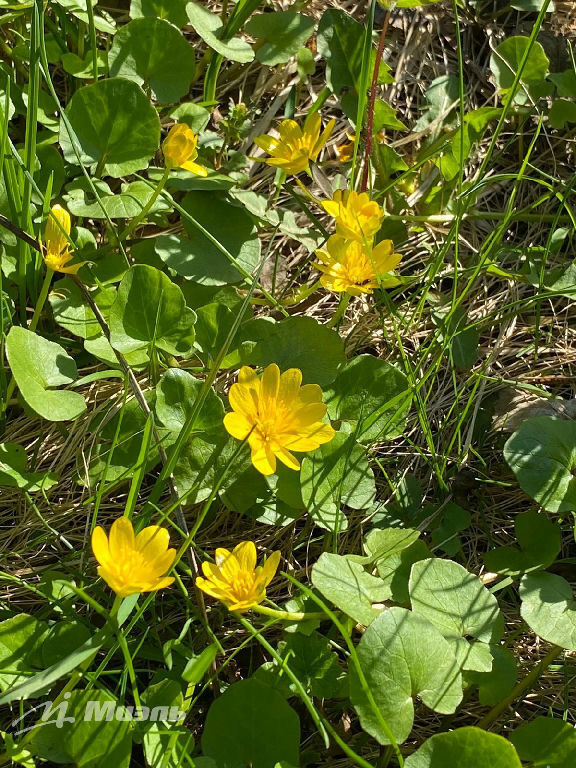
point(385, 117)
point(565, 82)
point(251, 724)
point(540, 542)
point(150, 310)
point(209, 26)
point(115, 125)
point(195, 116)
point(176, 394)
point(549, 608)
point(281, 33)
point(561, 112)
point(62, 639)
point(128, 203)
point(71, 311)
point(21, 639)
point(154, 53)
point(168, 747)
point(495, 685)
point(469, 746)
point(13, 474)
point(505, 63)
point(84, 68)
point(87, 741)
point(200, 260)
point(337, 473)
point(371, 394)
point(349, 586)
point(403, 656)
point(340, 41)
point(171, 10)
point(312, 660)
point(455, 601)
point(298, 342)
point(542, 455)
point(39, 365)
point(546, 742)
point(531, 6)
point(445, 529)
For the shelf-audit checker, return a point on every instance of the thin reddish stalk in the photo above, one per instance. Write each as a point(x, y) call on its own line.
point(370, 117)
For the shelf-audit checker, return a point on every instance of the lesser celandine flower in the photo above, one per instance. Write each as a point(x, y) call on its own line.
point(353, 267)
point(357, 216)
point(234, 578)
point(130, 563)
point(277, 415)
point(180, 150)
point(56, 248)
point(295, 148)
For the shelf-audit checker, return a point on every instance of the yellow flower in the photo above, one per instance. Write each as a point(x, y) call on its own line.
point(277, 415)
point(344, 152)
point(180, 151)
point(352, 267)
point(56, 250)
point(357, 216)
point(295, 148)
point(235, 579)
point(131, 564)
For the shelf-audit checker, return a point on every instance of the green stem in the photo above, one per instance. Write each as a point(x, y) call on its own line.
point(340, 312)
point(144, 212)
point(287, 615)
point(521, 687)
point(41, 299)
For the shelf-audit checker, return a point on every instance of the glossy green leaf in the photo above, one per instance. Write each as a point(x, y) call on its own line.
point(280, 34)
point(176, 393)
point(150, 310)
point(13, 474)
point(336, 474)
point(402, 655)
point(540, 542)
point(153, 52)
point(455, 601)
point(171, 10)
point(197, 257)
point(549, 608)
point(71, 311)
point(542, 455)
point(251, 724)
point(167, 747)
point(496, 684)
point(115, 125)
point(209, 26)
point(469, 746)
point(546, 742)
point(125, 204)
point(373, 396)
point(38, 366)
point(506, 60)
point(349, 586)
point(87, 740)
point(340, 41)
point(21, 640)
point(298, 342)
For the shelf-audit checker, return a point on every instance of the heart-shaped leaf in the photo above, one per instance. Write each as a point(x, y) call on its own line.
point(38, 366)
point(154, 52)
point(115, 125)
point(540, 542)
point(469, 746)
point(546, 742)
point(402, 655)
point(549, 608)
point(150, 310)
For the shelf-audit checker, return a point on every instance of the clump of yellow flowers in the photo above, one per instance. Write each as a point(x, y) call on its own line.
point(132, 563)
point(180, 150)
point(56, 247)
point(350, 262)
point(295, 148)
point(277, 414)
point(235, 579)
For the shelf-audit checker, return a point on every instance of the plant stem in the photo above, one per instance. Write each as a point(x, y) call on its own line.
point(521, 687)
point(370, 116)
point(340, 312)
point(287, 615)
point(144, 212)
point(41, 299)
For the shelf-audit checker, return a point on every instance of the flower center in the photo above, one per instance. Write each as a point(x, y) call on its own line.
point(131, 565)
point(243, 585)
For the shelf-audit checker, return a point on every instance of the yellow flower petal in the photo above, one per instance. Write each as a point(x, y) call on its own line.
point(193, 167)
point(152, 541)
point(100, 545)
point(288, 459)
point(121, 538)
point(237, 425)
point(245, 553)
